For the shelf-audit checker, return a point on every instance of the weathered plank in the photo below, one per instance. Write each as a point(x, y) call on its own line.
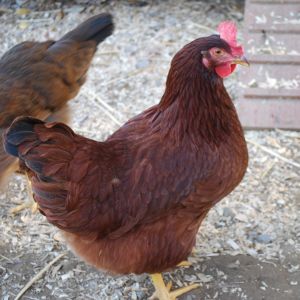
point(270, 89)
point(261, 112)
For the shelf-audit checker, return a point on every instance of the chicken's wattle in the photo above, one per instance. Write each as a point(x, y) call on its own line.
point(225, 69)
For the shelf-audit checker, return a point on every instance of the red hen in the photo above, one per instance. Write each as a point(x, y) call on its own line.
point(135, 202)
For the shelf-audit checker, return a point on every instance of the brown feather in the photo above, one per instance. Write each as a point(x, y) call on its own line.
point(134, 203)
point(38, 78)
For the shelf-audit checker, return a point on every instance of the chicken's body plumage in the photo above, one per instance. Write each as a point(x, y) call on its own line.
point(39, 78)
point(134, 203)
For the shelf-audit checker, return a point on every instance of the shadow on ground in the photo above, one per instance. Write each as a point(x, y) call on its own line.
point(244, 277)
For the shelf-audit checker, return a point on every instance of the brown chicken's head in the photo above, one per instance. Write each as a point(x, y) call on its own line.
point(223, 60)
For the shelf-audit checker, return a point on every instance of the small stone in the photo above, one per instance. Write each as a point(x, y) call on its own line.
point(241, 218)
point(67, 276)
point(293, 268)
point(233, 244)
point(133, 295)
point(264, 238)
point(140, 278)
point(252, 235)
point(23, 25)
point(264, 284)
point(23, 11)
point(75, 9)
point(171, 20)
point(234, 265)
point(280, 202)
point(228, 212)
point(220, 224)
point(142, 63)
point(252, 83)
point(140, 294)
point(114, 297)
point(136, 286)
point(130, 49)
point(190, 278)
point(205, 278)
point(252, 252)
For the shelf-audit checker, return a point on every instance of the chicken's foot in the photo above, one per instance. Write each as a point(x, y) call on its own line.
point(184, 263)
point(163, 292)
point(29, 202)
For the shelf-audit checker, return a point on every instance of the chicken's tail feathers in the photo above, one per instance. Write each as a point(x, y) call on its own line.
point(41, 146)
point(20, 131)
point(96, 28)
point(50, 155)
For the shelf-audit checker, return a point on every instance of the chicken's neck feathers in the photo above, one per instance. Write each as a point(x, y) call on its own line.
point(195, 104)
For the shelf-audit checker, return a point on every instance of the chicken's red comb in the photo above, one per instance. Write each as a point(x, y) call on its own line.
point(228, 32)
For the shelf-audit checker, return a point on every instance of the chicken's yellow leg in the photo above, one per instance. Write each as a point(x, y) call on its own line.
point(28, 203)
point(162, 292)
point(184, 263)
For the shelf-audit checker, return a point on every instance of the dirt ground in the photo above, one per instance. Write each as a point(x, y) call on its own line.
point(249, 245)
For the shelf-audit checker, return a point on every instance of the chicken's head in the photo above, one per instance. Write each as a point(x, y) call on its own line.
point(224, 60)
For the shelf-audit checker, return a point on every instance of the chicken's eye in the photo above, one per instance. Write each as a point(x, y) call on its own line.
point(218, 51)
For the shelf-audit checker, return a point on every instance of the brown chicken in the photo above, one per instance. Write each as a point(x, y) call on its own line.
point(37, 79)
point(134, 203)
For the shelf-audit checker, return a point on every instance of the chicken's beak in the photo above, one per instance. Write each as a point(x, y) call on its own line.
point(241, 61)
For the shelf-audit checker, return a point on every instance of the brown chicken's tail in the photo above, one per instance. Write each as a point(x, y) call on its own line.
point(21, 131)
point(27, 136)
point(51, 155)
point(96, 28)
point(45, 151)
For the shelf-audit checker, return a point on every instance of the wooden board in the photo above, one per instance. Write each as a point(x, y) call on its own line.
point(270, 88)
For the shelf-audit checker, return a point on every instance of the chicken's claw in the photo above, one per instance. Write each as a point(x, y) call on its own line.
point(162, 291)
point(184, 263)
point(27, 204)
